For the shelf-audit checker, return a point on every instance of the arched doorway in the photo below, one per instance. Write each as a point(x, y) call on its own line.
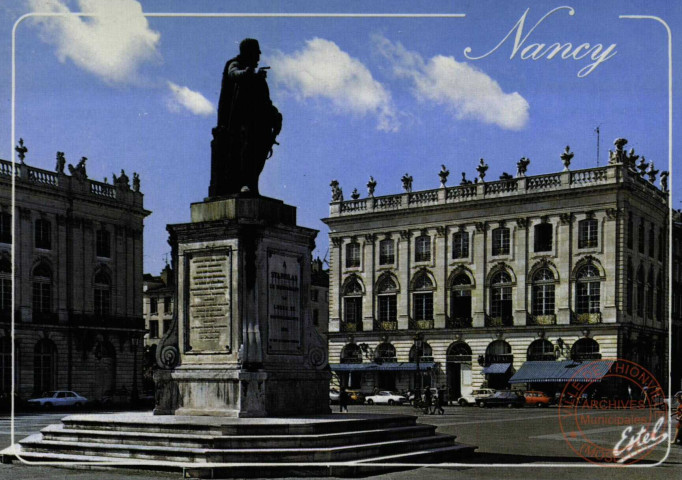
point(458, 370)
point(498, 369)
point(105, 356)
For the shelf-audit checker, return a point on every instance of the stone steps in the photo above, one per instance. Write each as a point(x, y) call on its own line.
point(60, 433)
point(318, 445)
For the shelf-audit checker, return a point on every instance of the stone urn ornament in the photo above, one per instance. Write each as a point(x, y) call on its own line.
point(566, 158)
point(481, 169)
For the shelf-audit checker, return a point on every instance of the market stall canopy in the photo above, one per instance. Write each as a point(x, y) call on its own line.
point(563, 371)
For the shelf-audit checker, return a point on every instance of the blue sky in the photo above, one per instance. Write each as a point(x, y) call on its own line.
point(360, 96)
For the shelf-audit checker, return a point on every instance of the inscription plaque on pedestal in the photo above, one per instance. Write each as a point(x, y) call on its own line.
point(284, 304)
point(209, 303)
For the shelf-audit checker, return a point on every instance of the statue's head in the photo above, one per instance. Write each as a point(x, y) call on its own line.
point(249, 50)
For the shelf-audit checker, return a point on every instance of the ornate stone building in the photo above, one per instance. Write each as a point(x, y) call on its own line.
point(467, 283)
point(77, 280)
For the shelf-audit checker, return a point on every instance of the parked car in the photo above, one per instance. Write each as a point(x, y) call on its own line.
point(538, 399)
point(334, 395)
point(386, 398)
point(355, 396)
point(58, 398)
point(476, 394)
point(504, 398)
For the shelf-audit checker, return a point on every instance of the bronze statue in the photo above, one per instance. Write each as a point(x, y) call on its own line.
point(248, 125)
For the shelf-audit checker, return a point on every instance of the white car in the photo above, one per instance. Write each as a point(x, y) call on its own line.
point(470, 399)
point(59, 398)
point(385, 398)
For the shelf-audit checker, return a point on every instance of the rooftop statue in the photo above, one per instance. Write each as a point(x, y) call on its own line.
point(248, 124)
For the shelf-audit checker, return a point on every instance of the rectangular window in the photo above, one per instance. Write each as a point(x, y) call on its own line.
point(588, 297)
point(353, 255)
point(43, 234)
point(631, 233)
point(314, 295)
point(652, 241)
point(661, 244)
point(5, 227)
point(166, 326)
point(352, 309)
point(386, 252)
point(41, 297)
point(501, 241)
point(316, 317)
point(460, 245)
point(153, 329)
point(640, 237)
point(153, 305)
point(388, 308)
point(587, 233)
point(103, 243)
point(102, 301)
point(422, 250)
point(423, 306)
point(543, 237)
point(167, 305)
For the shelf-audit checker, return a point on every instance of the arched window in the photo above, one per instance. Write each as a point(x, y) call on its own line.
point(385, 352)
point(43, 234)
point(426, 353)
point(102, 294)
point(422, 299)
point(460, 302)
point(630, 287)
point(351, 353)
point(501, 299)
point(352, 306)
point(587, 290)
point(585, 349)
point(541, 349)
point(44, 361)
point(498, 351)
point(42, 289)
point(387, 295)
point(640, 291)
point(458, 352)
point(5, 285)
point(543, 293)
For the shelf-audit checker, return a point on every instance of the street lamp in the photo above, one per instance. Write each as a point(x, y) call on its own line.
point(418, 345)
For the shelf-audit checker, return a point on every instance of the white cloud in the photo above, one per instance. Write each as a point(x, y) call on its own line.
point(111, 45)
point(195, 102)
point(322, 70)
point(464, 89)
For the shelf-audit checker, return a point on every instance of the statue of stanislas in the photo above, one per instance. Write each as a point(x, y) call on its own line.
point(248, 125)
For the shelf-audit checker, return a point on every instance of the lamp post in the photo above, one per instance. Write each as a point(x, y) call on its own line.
point(418, 345)
point(135, 342)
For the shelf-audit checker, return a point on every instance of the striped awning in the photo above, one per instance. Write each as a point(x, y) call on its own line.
point(561, 372)
point(376, 367)
point(496, 368)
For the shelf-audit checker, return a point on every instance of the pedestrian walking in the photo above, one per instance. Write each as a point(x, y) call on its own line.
point(343, 400)
point(440, 401)
point(428, 400)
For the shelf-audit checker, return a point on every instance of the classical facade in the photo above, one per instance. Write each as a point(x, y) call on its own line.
point(460, 286)
point(319, 296)
point(158, 305)
point(76, 280)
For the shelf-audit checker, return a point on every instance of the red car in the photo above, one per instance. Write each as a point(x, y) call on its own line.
point(538, 399)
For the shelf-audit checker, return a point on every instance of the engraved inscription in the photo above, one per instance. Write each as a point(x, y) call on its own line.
point(284, 304)
point(209, 303)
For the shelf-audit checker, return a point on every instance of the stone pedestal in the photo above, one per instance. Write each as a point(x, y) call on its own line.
point(247, 345)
